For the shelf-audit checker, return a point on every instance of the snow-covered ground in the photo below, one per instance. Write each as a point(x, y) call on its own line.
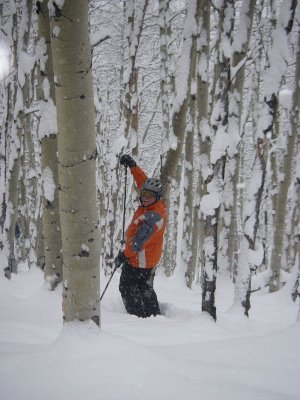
point(182, 355)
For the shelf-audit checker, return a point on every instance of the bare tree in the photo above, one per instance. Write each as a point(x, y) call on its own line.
point(171, 172)
point(236, 125)
point(189, 249)
point(281, 41)
point(15, 126)
point(135, 15)
point(212, 200)
point(48, 140)
point(77, 152)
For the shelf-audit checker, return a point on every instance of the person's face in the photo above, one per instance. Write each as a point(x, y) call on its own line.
point(147, 198)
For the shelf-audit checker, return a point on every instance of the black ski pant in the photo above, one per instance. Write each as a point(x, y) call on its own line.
point(136, 289)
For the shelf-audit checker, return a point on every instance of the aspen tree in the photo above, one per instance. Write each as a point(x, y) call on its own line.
point(264, 127)
point(15, 126)
point(164, 35)
point(286, 181)
point(210, 203)
point(167, 93)
point(171, 172)
point(281, 35)
point(203, 128)
point(235, 127)
point(135, 15)
point(189, 210)
point(29, 198)
point(265, 124)
point(48, 139)
point(77, 153)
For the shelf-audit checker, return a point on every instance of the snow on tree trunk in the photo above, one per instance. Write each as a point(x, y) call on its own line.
point(203, 128)
point(171, 172)
point(189, 251)
point(291, 228)
point(164, 34)
point(212, 200)
point(77, 153)
point(280, 212)
point(278, 65)
point(179, 113)
point(53, 271)
point(29, 198)
point(235, 127)
point(12, 213)
point(135, 15)
point(28, 209)
point(17, 37)
point(251, 254)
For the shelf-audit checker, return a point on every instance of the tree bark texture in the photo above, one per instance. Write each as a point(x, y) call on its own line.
point(236, 125)
point(135, 23)
point(77, 161)
point(202, 122)
point(280, 198)
point(214, 182)
point(53, 271)
point(179, 124)
point(189, 210)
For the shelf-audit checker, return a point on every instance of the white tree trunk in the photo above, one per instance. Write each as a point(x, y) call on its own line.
point(53, 271)
point(77, 160)
point(281, 41)
point(235, 127)
point(15, 124)
point(188, 251)
point(135, 19)
point(212, 200)
point(171, 174)
point(203, 128)
point(164, 34)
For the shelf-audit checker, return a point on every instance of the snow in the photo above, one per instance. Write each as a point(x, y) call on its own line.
point(286, 99)
point(184, 66)
point(48, 184)
point(220, 144)
point(99, 36)
point(46, 89)
point(84, 247)
point(48, 117)
point(209, 203)
point(4, 59)
point(279, 53)
point(119, 145)
point(25, 66)
point(241, 33)
point(56, 31)
point(58, 3)
point(181, 354)
point(256, 256)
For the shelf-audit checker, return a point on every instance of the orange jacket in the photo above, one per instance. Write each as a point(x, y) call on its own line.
point(144, 236)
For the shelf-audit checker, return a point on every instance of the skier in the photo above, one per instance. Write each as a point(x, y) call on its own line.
point(143, 246)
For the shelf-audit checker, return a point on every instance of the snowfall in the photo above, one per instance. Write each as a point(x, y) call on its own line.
point(182, 354)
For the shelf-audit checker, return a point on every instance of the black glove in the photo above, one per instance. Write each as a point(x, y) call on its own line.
point(120, 259)
point(127, 161)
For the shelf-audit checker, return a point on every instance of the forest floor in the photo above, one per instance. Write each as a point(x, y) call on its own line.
point(182, 354)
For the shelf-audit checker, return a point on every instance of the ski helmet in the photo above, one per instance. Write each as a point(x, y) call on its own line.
point(154, 185)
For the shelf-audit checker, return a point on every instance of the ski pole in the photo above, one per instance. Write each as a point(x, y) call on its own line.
point(123, 233)
point(108, 283)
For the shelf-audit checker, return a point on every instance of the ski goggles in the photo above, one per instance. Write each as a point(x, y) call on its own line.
point(147, 194)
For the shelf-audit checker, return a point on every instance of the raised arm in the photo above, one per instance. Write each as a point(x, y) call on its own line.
point(139, 175)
